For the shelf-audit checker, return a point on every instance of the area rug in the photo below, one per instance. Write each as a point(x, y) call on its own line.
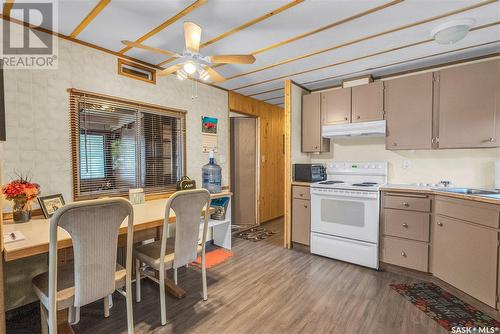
point(255, 234)
point(214, 257)
point(446, 309)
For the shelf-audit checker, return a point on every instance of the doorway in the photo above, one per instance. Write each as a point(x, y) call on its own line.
point(244, 170)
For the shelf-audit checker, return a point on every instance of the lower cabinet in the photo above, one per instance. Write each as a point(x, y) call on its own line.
point(465, 256)
point(301, 219)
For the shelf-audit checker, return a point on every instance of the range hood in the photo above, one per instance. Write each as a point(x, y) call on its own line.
point(375, 128)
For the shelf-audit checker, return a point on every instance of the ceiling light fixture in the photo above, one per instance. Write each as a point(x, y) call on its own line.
point(452, 31)
point(189, 67)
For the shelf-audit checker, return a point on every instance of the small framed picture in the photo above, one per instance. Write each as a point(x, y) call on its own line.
point(50, 204)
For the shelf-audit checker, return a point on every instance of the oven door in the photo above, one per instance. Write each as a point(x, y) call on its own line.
point(350, 217)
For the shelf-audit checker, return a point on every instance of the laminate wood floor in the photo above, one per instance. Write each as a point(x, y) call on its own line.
point(265, 288)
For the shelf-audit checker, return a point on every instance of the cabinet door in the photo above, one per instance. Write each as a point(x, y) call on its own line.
point(465, 255)
point(336, 106)
point(311, 125)
point(301, 221)
point(408, 107)
point(368, 102)
point(469, 106)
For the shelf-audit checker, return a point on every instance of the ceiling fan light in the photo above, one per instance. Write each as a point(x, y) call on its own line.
point(189, 67)
point(204, 75)
point(181, 75)
point(452, 31)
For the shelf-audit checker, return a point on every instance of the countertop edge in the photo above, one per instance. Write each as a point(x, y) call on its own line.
point(402, 189)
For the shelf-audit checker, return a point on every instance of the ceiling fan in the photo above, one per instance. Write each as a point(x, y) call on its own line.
point(193, 63)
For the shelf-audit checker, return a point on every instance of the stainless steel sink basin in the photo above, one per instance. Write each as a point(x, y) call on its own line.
point(469, 191)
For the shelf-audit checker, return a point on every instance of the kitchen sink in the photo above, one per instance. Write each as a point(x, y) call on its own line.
point(469, 191)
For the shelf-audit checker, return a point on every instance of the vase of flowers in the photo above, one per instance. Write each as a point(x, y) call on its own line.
point(21, 192)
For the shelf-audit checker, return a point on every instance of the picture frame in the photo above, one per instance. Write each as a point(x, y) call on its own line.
point(50, 204)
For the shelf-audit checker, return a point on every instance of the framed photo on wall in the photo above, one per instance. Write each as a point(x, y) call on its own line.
point(50, 204)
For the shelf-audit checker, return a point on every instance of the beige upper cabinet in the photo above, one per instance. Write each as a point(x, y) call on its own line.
point(469, 106)
point(465, 255)
point(368, 102)
point(336, 106)
point(312, 141)
point(408, 107)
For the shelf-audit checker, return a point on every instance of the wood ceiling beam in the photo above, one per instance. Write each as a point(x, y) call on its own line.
point(90, 17)
point(363, 39)
point(7, 7)
point(378, 53)
point(243, 26)
point(409, 61)
point(173, 19)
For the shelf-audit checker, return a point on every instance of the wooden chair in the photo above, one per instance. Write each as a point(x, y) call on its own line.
point(171, 253)
point(93, 226)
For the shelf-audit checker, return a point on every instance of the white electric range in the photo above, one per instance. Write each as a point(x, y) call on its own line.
point(345, 212)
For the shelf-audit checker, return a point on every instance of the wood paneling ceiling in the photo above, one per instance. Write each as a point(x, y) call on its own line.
point(316, 43)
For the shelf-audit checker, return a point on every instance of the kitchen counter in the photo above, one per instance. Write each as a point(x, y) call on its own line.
point(434, 191)
point(301, 183)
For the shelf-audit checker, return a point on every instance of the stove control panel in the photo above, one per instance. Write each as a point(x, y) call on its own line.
point(344, 192)
point(357, 167)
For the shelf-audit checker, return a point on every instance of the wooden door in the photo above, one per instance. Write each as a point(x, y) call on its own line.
point(301, 221)
point(336, 106)
point(469, 105)
point(244, 170)
point(311, 123)
point(408, 107)
point(465, 255)
point(368, 102)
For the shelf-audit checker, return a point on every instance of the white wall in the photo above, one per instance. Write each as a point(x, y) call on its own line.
point(37, 114)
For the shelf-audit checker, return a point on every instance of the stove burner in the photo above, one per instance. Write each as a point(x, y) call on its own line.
point(331, 182)
point(365, 184)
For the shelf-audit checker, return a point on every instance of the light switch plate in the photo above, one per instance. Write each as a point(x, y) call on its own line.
point(406, 163)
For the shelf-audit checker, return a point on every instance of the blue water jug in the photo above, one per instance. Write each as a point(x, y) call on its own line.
point(212, 175)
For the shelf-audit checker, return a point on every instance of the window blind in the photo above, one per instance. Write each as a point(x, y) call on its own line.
point(122, 144)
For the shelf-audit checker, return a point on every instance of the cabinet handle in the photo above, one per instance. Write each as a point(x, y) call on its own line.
point(440, 224)
point(305, 206)
point(301, 195)
point(406, 204)
point(403, 254)
point(492, 140)
point(394, 144)
point(345, 118)
point(315, 147)
point(405, 225)
point(358, 117)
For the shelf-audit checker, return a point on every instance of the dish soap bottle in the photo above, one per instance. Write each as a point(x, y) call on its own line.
point(212, 175)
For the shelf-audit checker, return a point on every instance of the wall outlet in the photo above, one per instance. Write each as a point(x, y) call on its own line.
point(406, 164)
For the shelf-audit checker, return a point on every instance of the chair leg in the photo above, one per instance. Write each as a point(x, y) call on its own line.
point(175, 276)
point(162, 298)
point(137, 280)
point(43, 321)
point(130, 315)
point(73, 315)
point(204, 278)
point(106, 306)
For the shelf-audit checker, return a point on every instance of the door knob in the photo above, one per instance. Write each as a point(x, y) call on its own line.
point(405, 225)
point(440, 224)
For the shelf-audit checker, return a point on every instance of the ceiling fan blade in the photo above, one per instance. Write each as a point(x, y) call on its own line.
point(192, 36)
point(150, 48)
point(216, 77)
point(232, 59)
point(169, 70)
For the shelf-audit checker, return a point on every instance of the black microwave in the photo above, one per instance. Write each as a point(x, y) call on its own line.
point(309, 172)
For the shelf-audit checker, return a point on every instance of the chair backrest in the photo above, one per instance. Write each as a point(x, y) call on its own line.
point(94, 227)
point(187, 205)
